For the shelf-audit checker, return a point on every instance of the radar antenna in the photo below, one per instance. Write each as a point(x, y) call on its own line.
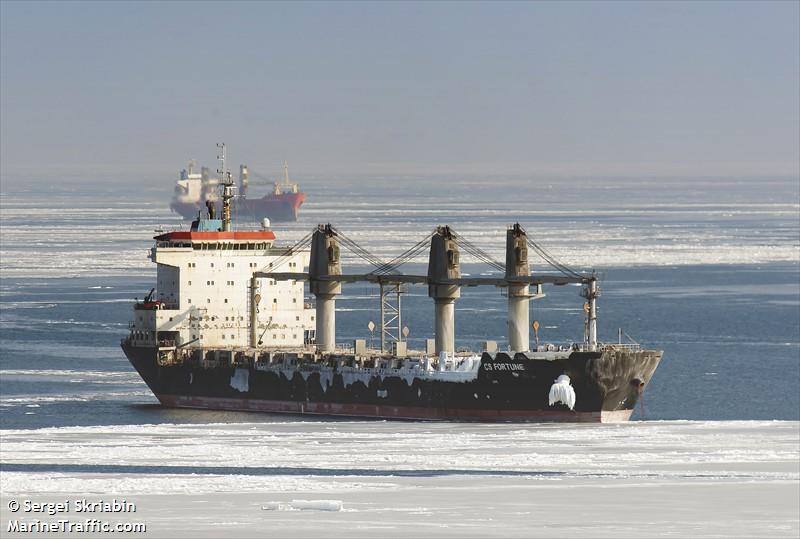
point(221, 159)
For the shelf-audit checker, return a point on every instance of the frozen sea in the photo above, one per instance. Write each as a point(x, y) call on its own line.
point(706, 269)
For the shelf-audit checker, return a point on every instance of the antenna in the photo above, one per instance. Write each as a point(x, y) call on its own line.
point(227, 189)
point(221, 159)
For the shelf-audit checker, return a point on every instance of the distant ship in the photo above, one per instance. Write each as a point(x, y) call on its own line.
point(193, 190)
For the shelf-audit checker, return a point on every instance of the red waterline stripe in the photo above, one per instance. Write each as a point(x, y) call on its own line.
point(382, 411)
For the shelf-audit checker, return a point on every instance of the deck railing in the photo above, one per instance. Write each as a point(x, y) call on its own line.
point(623, 346)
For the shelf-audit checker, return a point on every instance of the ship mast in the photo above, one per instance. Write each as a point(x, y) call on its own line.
point(227, 188)
point(591, 292)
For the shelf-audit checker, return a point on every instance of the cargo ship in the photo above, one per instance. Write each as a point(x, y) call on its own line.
point(228, 327)
point(193, 190)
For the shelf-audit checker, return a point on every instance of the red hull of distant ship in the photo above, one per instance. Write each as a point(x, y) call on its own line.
point(283, 207)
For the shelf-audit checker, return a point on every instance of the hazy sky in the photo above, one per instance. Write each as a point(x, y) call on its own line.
point(393, 87)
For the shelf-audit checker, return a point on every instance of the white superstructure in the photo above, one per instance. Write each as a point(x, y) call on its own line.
point(192, 187)
point(203, 294)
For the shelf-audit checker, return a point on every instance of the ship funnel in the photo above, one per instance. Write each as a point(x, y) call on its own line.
point(443, 265)
point(518, 295)
point(324, 262)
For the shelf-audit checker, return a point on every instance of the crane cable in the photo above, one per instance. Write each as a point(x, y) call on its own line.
point(406, 256)
point(552, 260)
point(478, 253)
point(301, 244)
point(357, 249)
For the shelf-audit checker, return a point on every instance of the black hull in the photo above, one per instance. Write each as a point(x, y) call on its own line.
point(607, 385)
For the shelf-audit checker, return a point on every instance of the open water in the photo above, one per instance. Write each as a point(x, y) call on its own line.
point(706, 270)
